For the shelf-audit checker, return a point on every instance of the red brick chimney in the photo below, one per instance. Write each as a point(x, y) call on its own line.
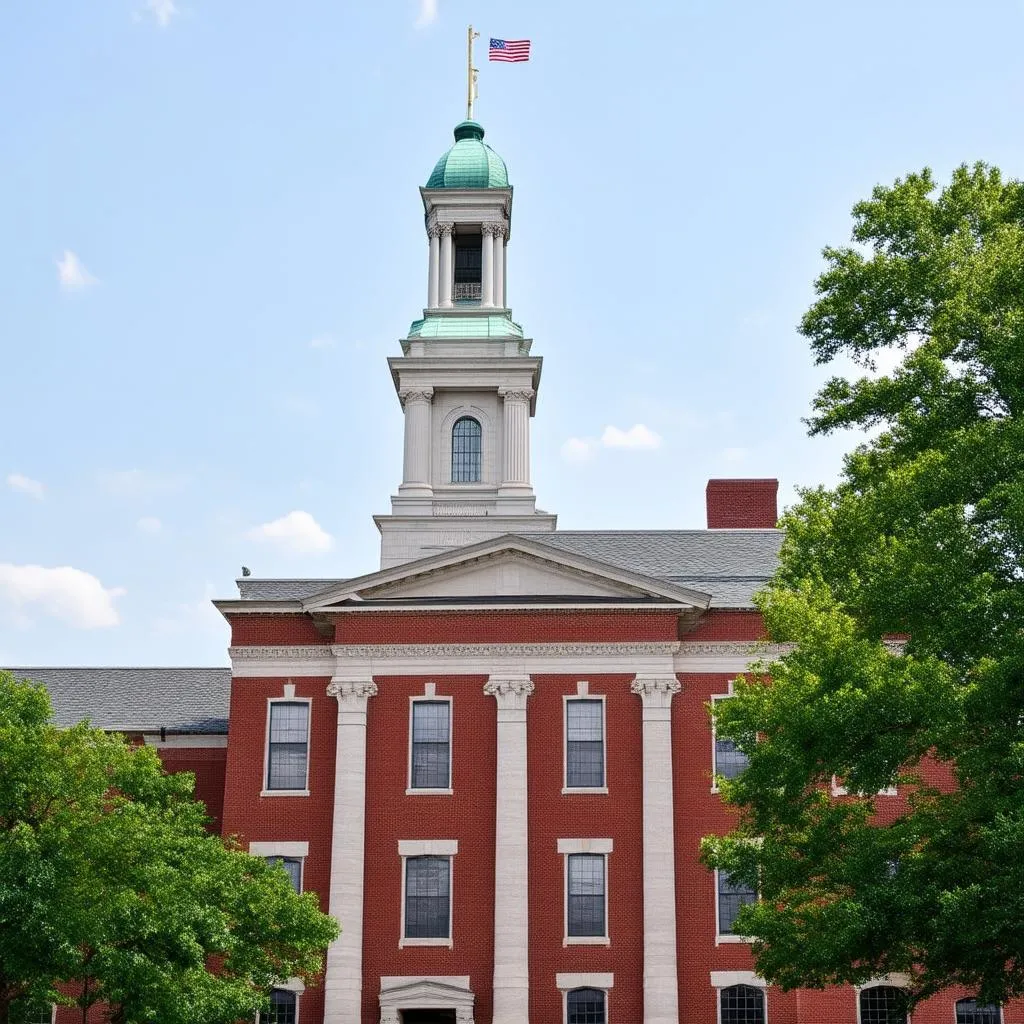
point(742, 504)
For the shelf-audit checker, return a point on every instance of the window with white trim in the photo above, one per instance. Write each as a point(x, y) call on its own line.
point(428, 897)
point(882, 1004)
point(741, 1004)
point(430, 753)
point(584, 743)
point(727, 760)
point(970, 1011)
point(287, 745)
point(732, 895)
point(293, 866)
point(284, 1008)
point(467, 451)
point(585, 1006)
point(586, 896)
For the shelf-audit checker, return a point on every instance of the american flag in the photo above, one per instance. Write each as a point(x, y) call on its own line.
point(509, 49)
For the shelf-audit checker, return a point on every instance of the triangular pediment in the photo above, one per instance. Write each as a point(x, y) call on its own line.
point(398, 993)
point(506, 569)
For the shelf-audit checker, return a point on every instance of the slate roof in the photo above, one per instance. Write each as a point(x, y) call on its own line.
point(180, 700)
point(731, 565)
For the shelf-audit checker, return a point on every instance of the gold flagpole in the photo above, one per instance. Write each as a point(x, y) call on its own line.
point(471, 73)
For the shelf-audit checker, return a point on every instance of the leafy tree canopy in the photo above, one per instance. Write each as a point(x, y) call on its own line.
point(110, 881)
point(923, 538)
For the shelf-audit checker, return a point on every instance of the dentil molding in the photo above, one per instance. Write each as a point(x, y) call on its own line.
point(577, 650)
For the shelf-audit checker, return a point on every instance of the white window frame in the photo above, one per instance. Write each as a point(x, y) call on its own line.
point(889, 981)
point(715, 698)
point(411, 790)
point(601, 982)
point(838, 789)
point(308, 701)
point(292, 850)
point(598, 847)
point(294, 985)
point(728, 938)
point(429, 848)
point(729, 979)
point(566, 698)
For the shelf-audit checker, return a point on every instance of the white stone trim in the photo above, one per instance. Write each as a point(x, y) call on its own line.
point(566, 697)
point(726, 979)
point(838, 789)
point(296, 985)
point(430, 696)
point(566, 982)
point(585, 846)
point(428, 847)
point(284, 849)
point(443, 992)
point(179, 742)
point(266, 790)
point(661, 978)
point(584, 940)
point(895, 980)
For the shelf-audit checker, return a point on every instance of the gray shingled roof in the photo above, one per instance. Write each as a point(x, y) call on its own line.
point(731, 565)
point(180, 700)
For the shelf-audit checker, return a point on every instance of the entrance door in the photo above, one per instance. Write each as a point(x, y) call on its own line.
point(428, 1017)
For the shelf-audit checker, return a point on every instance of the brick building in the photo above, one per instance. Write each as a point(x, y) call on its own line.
point(492, 758)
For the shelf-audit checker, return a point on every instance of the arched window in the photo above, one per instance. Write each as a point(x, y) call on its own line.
point(741, 1004)
point(970, 1011)
point(467, 451)
point(883, 1004)
point(585, 1006)
point(282, 1008)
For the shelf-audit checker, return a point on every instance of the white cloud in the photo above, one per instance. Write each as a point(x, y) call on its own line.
point(323, 341)
point(71, 273)
point(578, 449)
point(637, 437)
point(64, 593)
point(428, 13)
point(297, 531)
point(163, 11)
point(149, 524)
point(139, 483)
point(734, 454)
point(26, 485)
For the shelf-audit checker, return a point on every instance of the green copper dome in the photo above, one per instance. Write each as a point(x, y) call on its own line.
point(470, 163)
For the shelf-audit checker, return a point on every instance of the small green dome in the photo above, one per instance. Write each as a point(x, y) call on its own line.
point(470, 163)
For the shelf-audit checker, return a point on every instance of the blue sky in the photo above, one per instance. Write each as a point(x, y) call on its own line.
point(212, 239)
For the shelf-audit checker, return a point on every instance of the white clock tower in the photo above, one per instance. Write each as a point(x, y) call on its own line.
point(466, 379)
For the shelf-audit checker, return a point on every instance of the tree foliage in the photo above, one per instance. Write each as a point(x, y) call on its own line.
point(110, 882)
point(923, 538)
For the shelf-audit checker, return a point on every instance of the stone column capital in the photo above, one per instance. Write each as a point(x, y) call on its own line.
point(352, 694)
point(435, 230)
point(491, 229)
point(516, 394)
point(444, 227)
point(656, 691)
point(408, 396)
point(510, 692)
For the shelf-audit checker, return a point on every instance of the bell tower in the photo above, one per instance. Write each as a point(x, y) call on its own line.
point(466, 379)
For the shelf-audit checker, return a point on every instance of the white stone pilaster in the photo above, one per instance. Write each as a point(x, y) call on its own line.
point(487, 266)
point(416, 464)
point(433, 273)
point(499, 267)
point(515, 474)
point(511, 893)
point(661, 985)
point(444, 282)
point(343, 982)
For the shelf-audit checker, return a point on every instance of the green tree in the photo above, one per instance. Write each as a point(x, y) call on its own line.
point(922, 538)
point(110, 882)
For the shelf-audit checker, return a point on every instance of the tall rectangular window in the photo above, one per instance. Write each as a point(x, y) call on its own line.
point(283, 1008)
point(728, 760)
point(731, 897)
point(585, 906)
point(293, 866)
point(431, 745)
point(288, 745)
point(427, 897)
point(584, 744)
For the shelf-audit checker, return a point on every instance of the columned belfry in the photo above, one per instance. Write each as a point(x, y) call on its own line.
point(466, 379)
